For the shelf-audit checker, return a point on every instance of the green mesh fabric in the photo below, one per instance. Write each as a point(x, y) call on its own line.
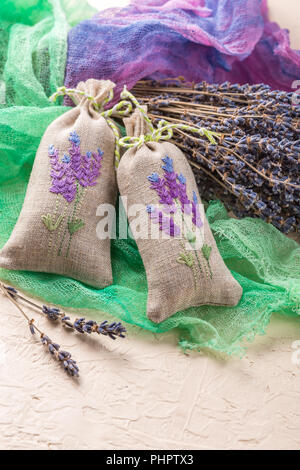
point(33, 44)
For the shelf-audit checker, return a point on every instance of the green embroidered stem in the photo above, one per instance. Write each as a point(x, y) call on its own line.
point(188, 259)
point(199, 263)
point(74, 224)
point(64, 235)
point(206, 251)
point(51, 235)
point(50, 222)
point(190, 238)
point(59, 233)
point(62, 240)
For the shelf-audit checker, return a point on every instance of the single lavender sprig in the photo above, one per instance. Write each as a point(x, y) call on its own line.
point(107, 329)
point(80, 325)
point(63, 357)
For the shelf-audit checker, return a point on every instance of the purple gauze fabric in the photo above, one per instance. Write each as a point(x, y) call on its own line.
point(212, 40)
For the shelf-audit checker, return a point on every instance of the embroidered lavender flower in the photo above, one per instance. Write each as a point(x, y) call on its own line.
point(170, 177)
point(74, 138)
point(73, 169)
point(63, 179)
point(172, 192)
point(195, 211)
point(75, 155)
point(159, 185)
point(186, 206)
point(91, 166)
point(177, 185)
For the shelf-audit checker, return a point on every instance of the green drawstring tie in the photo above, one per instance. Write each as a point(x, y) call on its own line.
point(121, 109)
point(164, 129)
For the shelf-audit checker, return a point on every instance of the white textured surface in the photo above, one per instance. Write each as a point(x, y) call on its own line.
point(143, 393)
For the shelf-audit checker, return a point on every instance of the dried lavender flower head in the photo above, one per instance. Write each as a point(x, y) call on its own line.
point(256, 161)
point(64, 357)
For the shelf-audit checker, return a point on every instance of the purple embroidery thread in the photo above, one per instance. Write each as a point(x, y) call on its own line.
point(63, 180)
point(172, 193)
point(166, 224)
point(171, 189)
point(75, 167)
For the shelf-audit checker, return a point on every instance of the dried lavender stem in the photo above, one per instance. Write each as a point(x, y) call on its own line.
point(183, 90)
point(63, 357)
point(200, 167)
point(200, 141)
point(179, 111)
point(17, 305)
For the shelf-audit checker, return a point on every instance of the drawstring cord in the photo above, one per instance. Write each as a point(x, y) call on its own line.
point(121, 109)
point(164, 129)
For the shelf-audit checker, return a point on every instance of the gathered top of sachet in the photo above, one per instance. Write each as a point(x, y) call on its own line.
point(136, 125)
point(93, 95)
point(72, 181)
point(183, 265)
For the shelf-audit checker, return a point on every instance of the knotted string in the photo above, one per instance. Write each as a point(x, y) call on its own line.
point(164, 129)
point(121, 109)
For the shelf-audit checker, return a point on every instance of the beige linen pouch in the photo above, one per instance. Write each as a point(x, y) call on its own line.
point(73, 174)
point(183, 265)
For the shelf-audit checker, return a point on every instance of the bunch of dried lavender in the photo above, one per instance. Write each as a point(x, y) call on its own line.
point(255, 165)
point(111, 330)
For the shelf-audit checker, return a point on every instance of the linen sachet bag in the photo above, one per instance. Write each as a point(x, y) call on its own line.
point(183, 265)
point(73, 174)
